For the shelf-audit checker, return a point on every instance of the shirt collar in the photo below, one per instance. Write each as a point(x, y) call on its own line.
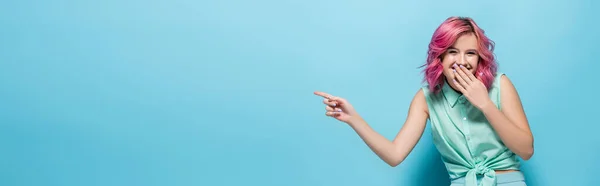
point(452, 96)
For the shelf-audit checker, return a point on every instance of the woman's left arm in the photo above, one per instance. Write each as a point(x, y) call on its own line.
point(511, 123)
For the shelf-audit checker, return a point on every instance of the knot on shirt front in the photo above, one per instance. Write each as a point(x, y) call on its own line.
point(481, 169)
point(489, 175)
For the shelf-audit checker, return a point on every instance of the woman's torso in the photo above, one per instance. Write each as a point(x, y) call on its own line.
point(465, 139)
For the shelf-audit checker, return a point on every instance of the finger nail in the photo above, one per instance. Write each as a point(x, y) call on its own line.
point(338, 109)
point(454, 65)
point(334, 104)
point(454, 70)
point(462, 66)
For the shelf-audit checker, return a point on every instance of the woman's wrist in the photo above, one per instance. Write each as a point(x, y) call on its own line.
point(355, 121)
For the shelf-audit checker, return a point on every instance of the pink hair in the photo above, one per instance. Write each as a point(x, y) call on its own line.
point(444, 37)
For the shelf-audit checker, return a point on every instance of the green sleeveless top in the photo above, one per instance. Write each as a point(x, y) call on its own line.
point(468, 144)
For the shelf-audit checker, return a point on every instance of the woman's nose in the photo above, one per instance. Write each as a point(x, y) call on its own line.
point(461, 61)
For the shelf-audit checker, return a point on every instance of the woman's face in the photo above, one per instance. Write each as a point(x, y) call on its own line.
point(462, 52)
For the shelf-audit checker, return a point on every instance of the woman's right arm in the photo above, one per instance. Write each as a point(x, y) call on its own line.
point(392, 152)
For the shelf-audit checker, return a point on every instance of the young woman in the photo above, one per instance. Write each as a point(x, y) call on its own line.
point(477, 119)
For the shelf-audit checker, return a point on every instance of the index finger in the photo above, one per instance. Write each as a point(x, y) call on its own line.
point(463, 73)
point(322, 94)
point(469, 74)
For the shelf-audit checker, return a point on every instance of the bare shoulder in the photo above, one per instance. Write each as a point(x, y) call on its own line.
point(416, 119)
point(511, 103)
point(419, 102)
point(508, 91)
point(505, 81)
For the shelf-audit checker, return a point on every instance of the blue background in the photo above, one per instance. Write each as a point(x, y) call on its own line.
point(186, 92)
